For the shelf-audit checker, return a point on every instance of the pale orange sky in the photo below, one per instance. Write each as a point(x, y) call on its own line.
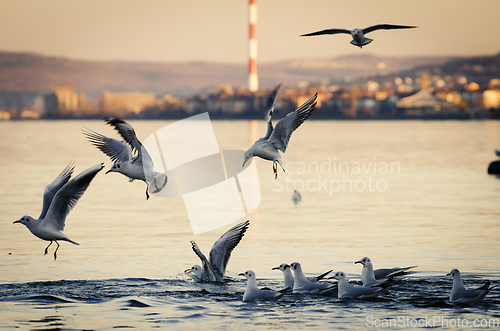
point(217, 30)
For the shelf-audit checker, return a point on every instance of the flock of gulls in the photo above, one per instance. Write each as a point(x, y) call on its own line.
point(132, 160)
point(374, 281)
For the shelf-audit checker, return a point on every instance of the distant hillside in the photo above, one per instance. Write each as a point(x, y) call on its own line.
point(479, 69)
point(22, 72)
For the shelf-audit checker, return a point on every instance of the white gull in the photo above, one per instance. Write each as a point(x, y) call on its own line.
point(346, 290)
point(459, 294)
point(303, 285)
point(139, 166)
point(59, 198)
point(276, 140)
point(287, 274)
point(252, 291)
point(358, 35)
point(371, 277)
point(213, 270)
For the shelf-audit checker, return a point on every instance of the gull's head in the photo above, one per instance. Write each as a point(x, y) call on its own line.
point(364, 261)
point(26, 220)
point(356, 32)
point(194, 270)
point(339, 275)
point(249, 274)
point(295, 266)
point(454, 273)
point(248, 155)
point(117, 167)
point(282, 267)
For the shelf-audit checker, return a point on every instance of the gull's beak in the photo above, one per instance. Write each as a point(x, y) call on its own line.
point(448, 274)
point(358, 262)
point(188, 270)
point(107, 172)
point(333, 277)
point(18, 221)
point(241, 274)
point(276, 268)
point(244, 163)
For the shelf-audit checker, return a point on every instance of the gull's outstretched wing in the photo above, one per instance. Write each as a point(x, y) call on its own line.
point(222, 248)
point(126, 131)
point(117, 150)
point(327, 31)
point(67, 197)
point(52, 188)
point(206, 268)
point(386, 27)
point(271, 102)
point(284, 128)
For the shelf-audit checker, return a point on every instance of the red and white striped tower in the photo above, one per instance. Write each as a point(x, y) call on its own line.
point(253, 80)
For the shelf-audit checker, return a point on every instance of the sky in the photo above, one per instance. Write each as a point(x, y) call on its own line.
point(217, 30)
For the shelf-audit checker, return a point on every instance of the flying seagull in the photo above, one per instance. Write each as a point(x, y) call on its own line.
point(59, 198)
point(122, 153)
point(213, 270)
point(358, 35)
point(252, 292)
point(296, 197)
point(461, 295)
point(277, 138)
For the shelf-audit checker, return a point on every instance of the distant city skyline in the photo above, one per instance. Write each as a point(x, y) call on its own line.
point(217, 31)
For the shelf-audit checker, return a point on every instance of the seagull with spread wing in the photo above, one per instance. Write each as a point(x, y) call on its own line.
point(277, 138)
point(122, 153)
point(358, 35)
point(59, 198)
point(213, 270)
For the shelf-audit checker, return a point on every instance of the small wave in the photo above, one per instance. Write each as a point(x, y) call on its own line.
point(41, 298)
point(136, 303)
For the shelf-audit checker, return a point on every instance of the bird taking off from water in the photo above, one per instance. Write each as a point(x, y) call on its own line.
point(214, 268)
point(358, 35)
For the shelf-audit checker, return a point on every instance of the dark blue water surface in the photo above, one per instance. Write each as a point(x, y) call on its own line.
point(179, 303)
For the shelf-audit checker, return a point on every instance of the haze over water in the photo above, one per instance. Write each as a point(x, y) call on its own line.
point(437, 208)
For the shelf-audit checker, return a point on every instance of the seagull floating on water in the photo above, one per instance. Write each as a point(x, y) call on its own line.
point(287, 273)
point(358, 35)
point(139, 166)
point(296, 197)
point(346, 290)
point(277, 138)
point(461, 295)
point(59, 198)
point(214, 270)
point(302, 285)
point(252, 292)
point(371, 277)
